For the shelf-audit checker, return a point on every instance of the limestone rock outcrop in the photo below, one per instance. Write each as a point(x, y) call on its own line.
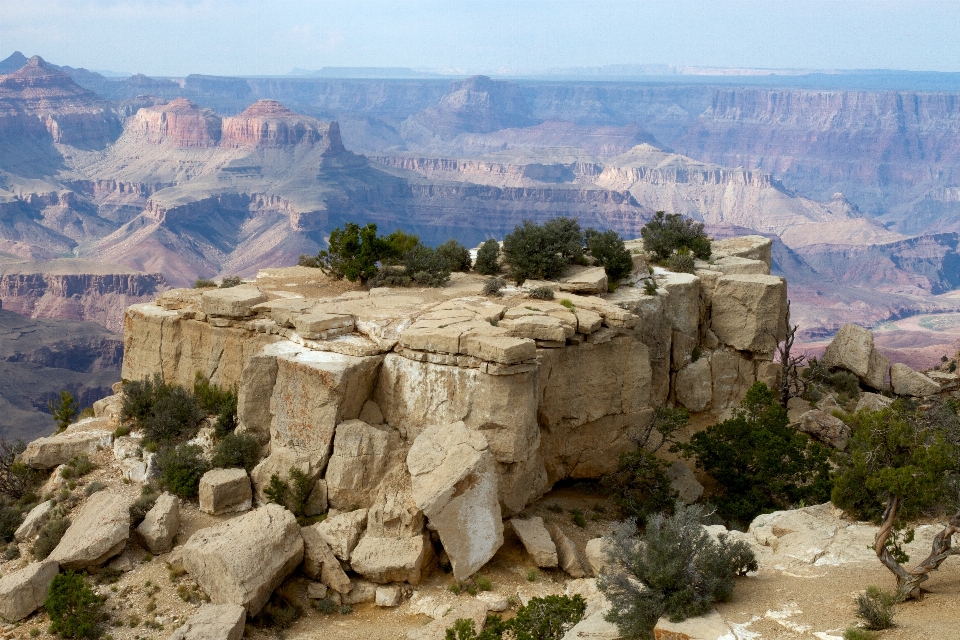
point(46, 453)
point(33, 521)
point(826, 428)
point(161, 524)
point(225, 491)
point(319, 561)
point(99, 532)
point(536, 540)
point(852, 349)
point(384, 560)
point(213, 622)
point(24, 591)
point(361, 455)
point(907, 382)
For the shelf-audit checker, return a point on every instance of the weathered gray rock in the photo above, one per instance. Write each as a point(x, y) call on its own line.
point(361, 456)
point(361, 591)
point(394, 513)
point(455, 485)
point(46, 453)
point(390, 595)
point(852, 349)
point(317, 502)
point(23, 592)
point(213, 622)
point(319, 561)
point(233, 302)
point(536, 540)
point(243, 560)
point(225, 491)
point(342, 531)
point(161, 525)
point(873, 402)
point(684, 482)
point(748, 312)
point(596, 554)
point(475, 610)
point(827, 429)
point(907, 382)
point(584, 280)
point(99, 532)
point(569, 557)
point(384, 560)
point(33, 522)
point(694, 385)
point(317, 591)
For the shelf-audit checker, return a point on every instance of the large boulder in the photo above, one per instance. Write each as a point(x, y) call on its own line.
point(342, 531)
point(907, 382)
point(748, 312)
point(23, 592)
point(852, 349)
point(161, 524)
point(684, 482)
point(99, 532)
point(319, 561)
point(828, 429)
point(361, 455)
point(536, 540)
point(455, 485)
point(384, 560)
point(233, 302)
point(225, 491)
point(34, 521)
point(872, 402)
point(243, 560)
point(213, 622)
point(569, 557)
point(47, 453)
point(694, 385)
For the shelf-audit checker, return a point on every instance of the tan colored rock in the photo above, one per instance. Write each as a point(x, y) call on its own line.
point(233, 302)
point(109, 407)
point(319, 561)
point(596, 554)
point(225, 491)
point(342, 531)
point(384, 560)
point(371, 413)
point(213, 622)
point(907, 382)
point(475, 610)
point(769, 374)
point(98, 532)
point(24, 591)
point(587, 321)
point(34, 521)
point(536, 540)
point(694, 385)
point(585, 280)
point(709, 626)
point(256, 385)
point(317, 502)
point(243, 560)
point(825, 428)
point(390, 595)
point(161, 525)
point(279, 462)
point(455, 485)
point(732, 265)
point(362, 453)
point(683, 481)
point(495, 348)
point(748, 312)
point(682, 302)
point(749, 247)
point(46, 453)
point(361, 591)
point(852, 349)
point(872, 402)
point(733, 376)
point(569, 557)
point(322, 325)
point(394, 513)
point(317, 591)
point(537, 327)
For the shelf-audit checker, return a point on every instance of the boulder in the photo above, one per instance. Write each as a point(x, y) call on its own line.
point(317, 502)
point(596, 554)
point(317, 591)
point(98, 533)
point(748, 312)
point(827, 429)
point(873, 402)
point(384, 560)
point(455, 485)
point(733, 375)
point(569, 557)
point(536, 540)
point(475, 610)
point(33, 522)
point(394, 513)
point(390, 595)
point(361, 591)
point(342, 531)
point(243, 560)
point(537, 327)
point(225, 491)
point(694, 385)
point(585, 280)
point(319, 562)
point(907, 382)
point(140, 471)
point(23, 592)
point(161, 525)
point(709, 626)
point(213, 622)
point(852, 349)
point(683, 481)
point(46, 453)
point(361, 455)
point(233, 302)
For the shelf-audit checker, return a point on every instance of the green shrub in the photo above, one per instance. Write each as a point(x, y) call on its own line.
point(142, 505)
point(492, 286)
point(12, 553)
point(856, 633)
point(49, 537)
point(121, 431)
point(543, 252)
point(353, 253)
point(845, 382)
point(236, 450)
point(10, 519)
point(293, 493)
point(758, 462)
point(488, 255)
point(325, 606)
point(876, 608)
point(546, 618)
point(203, 283)
point(542, 293)
point(608, 249)
point(577, 517)
point(77, 467)
point(668, 232)
point(454, 256)
point(213, 399)
point(17, 480)
point(279, 613)
point(166, 413)
point(231, 281)
point(674, 569)
point(64, 410)
point(73, 607)
point(399, 244)
point(682, 261)
point(307, 260)
point(94, 487)
point(181, 468)
point(650, 287)
point(426, 267)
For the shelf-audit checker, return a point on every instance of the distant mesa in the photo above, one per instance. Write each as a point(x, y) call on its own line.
point(179, 123)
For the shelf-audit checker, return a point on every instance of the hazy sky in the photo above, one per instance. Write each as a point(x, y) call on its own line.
point(235, 37)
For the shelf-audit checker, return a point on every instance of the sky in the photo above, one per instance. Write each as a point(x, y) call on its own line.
point(272, 37)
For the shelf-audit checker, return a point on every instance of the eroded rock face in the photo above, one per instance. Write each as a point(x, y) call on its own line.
point(748, 312)
point(161, 525)
point(213, 622)
point(852, 349)
point(23, 592)
point(826, 428)
point(47, 453)
point(99, 532)
point(319, 561)
point(242, 561)
point(455, 484)
point(907, 382)
point(361, 456)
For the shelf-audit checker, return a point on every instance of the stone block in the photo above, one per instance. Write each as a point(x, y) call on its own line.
point(852, 349)
point(233, 302)
point(213, 622)
point(342, 531)
point(23, 591)
point(47, 453)
point(536, 540)
point(384, 560)
point(161, 524)
point(907, 382)
point(99, 532)
point(225, 491)
point(34, 521)
point(748, 312)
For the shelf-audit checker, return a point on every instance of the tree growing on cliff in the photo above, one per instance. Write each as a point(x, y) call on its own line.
point(668, 232)
point(608, 249)
point(354, 252)
point(904, 461)
point(64, 410)
point(488, 258)
point(543, 251)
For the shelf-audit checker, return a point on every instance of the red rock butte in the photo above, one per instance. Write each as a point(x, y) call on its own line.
point(179, 123)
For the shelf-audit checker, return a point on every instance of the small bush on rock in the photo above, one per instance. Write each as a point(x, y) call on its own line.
point(231, 281)
point(682, 261)
point(204, 283)
point(492, 287)
point(293, 493)
point(674, 569)
point(17, 480)
point(876, 608)
point(166, 413)
point(608, 249)
point(236, 450)
point(542, 293)
point(353, 253)
point(668, 232)
point(488, 258)
point(856, 633)
point(10, 520)
point(64, 410)
point(74, 609)
point(547, 618)
point(543, 252)
point(181, 468)
point(142, 505)
point(49, 537)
